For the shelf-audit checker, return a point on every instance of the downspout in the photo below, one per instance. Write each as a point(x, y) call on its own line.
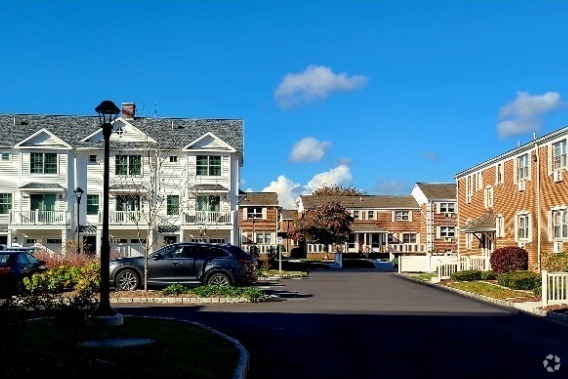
point(538, 243)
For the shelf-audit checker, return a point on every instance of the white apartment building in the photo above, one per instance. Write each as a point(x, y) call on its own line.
point(171, 179)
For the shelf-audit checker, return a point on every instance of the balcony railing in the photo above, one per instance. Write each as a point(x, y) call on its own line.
point(207, 218)
point(124, 218)
point(37, 217)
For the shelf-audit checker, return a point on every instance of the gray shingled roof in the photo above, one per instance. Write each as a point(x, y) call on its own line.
point(178, 132)
point(438, 191)
point(260, 198)
point(288, 214)
point(208, 187)
point(363, 202)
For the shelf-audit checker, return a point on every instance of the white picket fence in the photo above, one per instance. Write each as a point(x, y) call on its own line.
point(443, 265)
point(554, 288)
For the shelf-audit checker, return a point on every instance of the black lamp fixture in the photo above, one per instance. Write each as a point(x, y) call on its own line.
point(78, 195)
point(108, 112)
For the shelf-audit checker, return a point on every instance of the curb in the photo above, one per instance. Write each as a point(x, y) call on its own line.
point(179, 300)
point(502, 303)
point(243, 363)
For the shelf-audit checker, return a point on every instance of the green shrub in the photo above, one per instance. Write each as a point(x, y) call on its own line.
point(466, 275)
point(519, 280)
point(175, 289)
point(555, 262)
point(509, 258)
point(487, 275)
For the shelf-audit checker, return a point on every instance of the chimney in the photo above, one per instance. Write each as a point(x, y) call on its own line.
point(128, 110)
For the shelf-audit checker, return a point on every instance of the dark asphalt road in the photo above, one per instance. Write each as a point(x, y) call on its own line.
point(370, 324)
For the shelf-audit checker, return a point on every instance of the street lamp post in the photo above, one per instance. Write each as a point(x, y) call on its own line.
point(78, 195)
point(254, 232)
point(108, 112)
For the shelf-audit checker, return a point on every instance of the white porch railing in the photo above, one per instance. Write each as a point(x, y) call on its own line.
point(446, 270)
point(206, 218)
point(554, 288)
point(124, 218)
point(37, 217)
point(474, 262)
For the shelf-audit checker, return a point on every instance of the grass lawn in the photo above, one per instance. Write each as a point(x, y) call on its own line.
point(180, 349)
point(490, 290)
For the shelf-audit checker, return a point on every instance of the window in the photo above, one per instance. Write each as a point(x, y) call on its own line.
point(5, 203)
point(208, 165)
point(560, 223)
point(409, 238)
point(92, 204)
point(468, 240)
point(401, 216)
point(6, 156)
point(468, 189)
point(392, 239)
point(42, 202)
point(523, 224)
point(128, 165)
point(559, 154)
point(523, 167)
point(173, 158)
point(447, 231)
point(499, 174)
point(478, 181)
point(447, 207)
point(92, 158)
point(172, 205)
point(488, 197)
point(253, 212)
point(52, 241)
point(43, 163)
point(264, 237)
point(208, 203)
point(356, 215)
point(371, 215)
point(128, 203)
point(500, 226)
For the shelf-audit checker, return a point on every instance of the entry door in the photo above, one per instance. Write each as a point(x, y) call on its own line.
point(42, 202)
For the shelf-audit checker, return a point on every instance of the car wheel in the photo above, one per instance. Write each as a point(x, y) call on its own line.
point(127, 280)
point(218, 279)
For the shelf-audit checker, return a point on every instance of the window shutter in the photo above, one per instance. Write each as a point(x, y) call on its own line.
point(264, 212)
point(245, 213)
point(550, 230)
point(410, 216)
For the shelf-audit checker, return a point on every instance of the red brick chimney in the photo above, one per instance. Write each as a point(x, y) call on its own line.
point(128, 110)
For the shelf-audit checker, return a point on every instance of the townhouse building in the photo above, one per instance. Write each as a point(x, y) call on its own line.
point(518, 198)
point(259, 221)
point(438, 205)
point(171, 179)
point(381, 223)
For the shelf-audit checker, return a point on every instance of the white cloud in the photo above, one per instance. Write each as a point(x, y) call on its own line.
point(522, 115)
point(308, 149)
point(316, 82)
point(431, 156)
point(337, 176)
point(386, 186)
point(287, 190)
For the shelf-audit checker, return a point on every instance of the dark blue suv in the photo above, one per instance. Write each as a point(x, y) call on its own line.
point(188, 263)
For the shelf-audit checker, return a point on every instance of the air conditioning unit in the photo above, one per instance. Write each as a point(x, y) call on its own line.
point(521, 184)
point(521, 245)
point(558, 246)
point(557, 176)
point(448, 239)
point(449, 215)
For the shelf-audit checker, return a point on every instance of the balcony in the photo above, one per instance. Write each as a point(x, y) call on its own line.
point(207, 218)
point(124, 218)
point(37, 217)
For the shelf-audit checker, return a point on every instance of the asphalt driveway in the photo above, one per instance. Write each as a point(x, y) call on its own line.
point(370, 324)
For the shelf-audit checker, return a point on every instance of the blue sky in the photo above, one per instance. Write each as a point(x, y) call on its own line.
point(376, 95)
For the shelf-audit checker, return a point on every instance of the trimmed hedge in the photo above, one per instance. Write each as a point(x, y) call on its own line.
point(508, 259)
point(466, 275)
point(519, 280)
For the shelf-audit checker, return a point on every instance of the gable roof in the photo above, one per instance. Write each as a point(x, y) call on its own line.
point(260, 199)
point(438, 191)
point(361, 202)
point(73, 130)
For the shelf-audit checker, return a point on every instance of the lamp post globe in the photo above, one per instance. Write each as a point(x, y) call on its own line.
point(108, 112)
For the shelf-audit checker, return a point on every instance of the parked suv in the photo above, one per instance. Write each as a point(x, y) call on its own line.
point(14, 267)
point(188, 263)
